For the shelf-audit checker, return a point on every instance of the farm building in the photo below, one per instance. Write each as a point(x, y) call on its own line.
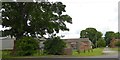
point(113, 41)
point(79, 43)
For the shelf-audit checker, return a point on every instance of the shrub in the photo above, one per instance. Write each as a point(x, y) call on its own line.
point(26, 46)
point(117, 43)
point(101, 42)
point(54, 46)
point(6, 53)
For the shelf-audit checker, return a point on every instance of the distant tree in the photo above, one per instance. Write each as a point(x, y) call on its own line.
point(99, 35)
point(92, 34)
point(101, 42)
point(117, 43)
point(117, 35)
point(109, 35)
point(83, 34)
point(54, 46)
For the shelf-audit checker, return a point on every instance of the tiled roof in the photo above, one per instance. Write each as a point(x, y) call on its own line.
point(81, 39)
point(72, 39)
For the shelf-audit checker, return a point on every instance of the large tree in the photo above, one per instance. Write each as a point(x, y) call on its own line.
point(109, 35)
point(83, 34)
point(92, 34)
point(33, 18)
point(99, 35)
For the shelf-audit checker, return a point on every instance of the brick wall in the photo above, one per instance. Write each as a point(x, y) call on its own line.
point(68, 51)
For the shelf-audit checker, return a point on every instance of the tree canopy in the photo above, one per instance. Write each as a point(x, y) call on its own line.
point(33, 18)
point(92, 34)
point(117, 35)
point(101, 42)
point(109, 35)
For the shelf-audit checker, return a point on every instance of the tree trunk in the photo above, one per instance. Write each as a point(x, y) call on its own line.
point(14, 47)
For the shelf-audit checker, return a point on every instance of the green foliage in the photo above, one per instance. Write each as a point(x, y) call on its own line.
point(92, 34)
point(99, 35)
point(83, 34)
point(26, 46)
point(33, 18)
point(101, 42)
point(117, 43)
point(6, 53)
point(109, 36)
point(117, 35)
point(54, 46)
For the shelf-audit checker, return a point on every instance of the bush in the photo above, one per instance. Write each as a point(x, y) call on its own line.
point(26, 46)
point(101, 42)
point(54, 46)
point(117, 43)
point(6, 53)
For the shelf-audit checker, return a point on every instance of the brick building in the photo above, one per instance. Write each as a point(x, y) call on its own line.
point(113, 41)
point(79, 43)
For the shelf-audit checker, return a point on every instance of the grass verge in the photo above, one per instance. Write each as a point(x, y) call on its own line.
point(0, 54)
point(96, 52)
point(116, 49)
point(6, 53)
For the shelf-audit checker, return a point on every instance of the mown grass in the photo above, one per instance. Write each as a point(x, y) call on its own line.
point(95, 52)
point(8, 54)
point(0, 54)
point(116, 49)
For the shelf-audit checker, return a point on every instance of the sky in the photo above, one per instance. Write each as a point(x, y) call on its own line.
point(99, 14)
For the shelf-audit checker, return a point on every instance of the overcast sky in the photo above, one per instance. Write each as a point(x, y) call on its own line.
point(99, 14)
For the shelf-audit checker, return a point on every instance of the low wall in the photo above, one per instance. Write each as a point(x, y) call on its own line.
point(6, 44)
point(68, 51)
